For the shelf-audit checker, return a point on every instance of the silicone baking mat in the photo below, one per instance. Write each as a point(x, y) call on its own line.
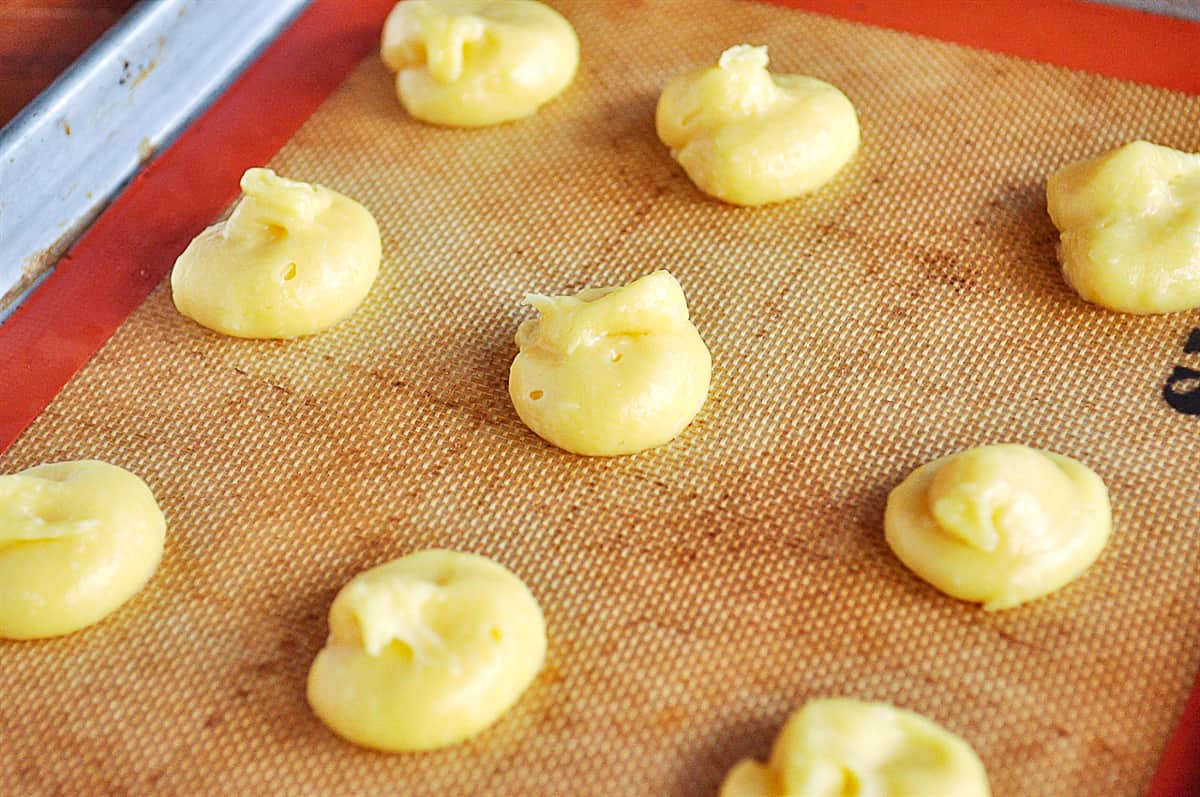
point(695, 594)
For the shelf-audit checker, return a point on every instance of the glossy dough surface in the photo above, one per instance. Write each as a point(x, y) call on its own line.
point(292, 259)
point(469, 63)
point(426, 651)
point(839, 747)
point(748, 137)
point(612, 370)
point(77, 540)
point(1130, 228)
point(999, 525)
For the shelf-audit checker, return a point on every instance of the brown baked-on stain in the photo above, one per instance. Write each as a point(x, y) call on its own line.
point(670, 719)
point(262, 669)
point(708, 758)
point(948, 269)
point(28, 774)
point(1013, 639)
point(837, 232)
point(551, 675)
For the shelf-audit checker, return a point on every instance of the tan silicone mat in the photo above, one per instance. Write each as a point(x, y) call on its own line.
point(696, 594)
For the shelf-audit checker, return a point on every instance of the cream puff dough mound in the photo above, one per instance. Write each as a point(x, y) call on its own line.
point(471, 63)
point(838, 747)
point(1130, 228)
point(612, 370)
point(77, 540)
point(748, 137)
point(426, 651)
point(1000, 524)
point(293, 259)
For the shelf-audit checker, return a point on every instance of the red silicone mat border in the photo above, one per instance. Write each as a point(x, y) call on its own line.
point(132, 246)
point(1106, 40)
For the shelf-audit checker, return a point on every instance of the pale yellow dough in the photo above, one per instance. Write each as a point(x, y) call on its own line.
point(470, 63)
point(840, 747)
point(748, 137)
point(293, 259)
point(1130, 224)
point(1000, 524)
point(612, 370)
point(426, 651)
point(77, 540)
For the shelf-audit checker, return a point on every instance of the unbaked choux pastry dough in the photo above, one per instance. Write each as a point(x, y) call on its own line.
point(77, 540)
point(839, 747)
point(748, 137)
point(999, 524)
point(612, 370)
point(426, 651)
point(1129, 223)
point(470, 63)
point(292, 259)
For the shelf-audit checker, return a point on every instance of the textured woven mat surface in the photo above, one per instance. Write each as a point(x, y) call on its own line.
point(695, 594)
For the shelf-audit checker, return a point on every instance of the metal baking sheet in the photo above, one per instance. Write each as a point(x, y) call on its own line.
point(67, 154)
